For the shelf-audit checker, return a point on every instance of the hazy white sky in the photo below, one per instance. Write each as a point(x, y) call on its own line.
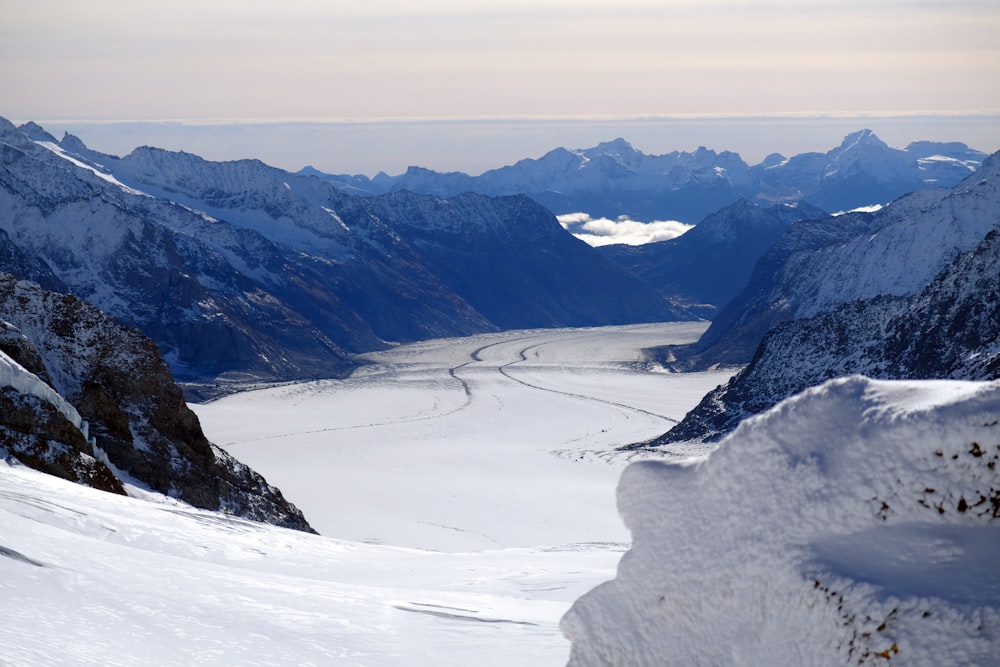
point(459, 59)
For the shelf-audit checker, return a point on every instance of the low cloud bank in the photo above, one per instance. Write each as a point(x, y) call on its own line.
point(603, 231)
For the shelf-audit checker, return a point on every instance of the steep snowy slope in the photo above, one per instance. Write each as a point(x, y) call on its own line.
point(709, 264)
point(155, 265)
point(91, 401)
point(857, 523)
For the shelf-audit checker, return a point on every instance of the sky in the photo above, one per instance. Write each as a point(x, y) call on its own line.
point(457, 85)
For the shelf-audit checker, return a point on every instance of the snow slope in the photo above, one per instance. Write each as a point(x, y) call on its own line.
point(856, 523)
point(89, 578)
point(495, 453)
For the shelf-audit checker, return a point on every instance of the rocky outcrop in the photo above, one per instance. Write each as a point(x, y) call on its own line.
point(141, 429)
point(36, 434)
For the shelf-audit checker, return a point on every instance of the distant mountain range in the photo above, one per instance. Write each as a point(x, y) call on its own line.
point(613, 178)
point(245, 271)
point(910, 292)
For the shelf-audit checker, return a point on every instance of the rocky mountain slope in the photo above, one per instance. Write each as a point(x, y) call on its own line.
point(708, 265)
point(613, 178)
point(89, 400)
point(819, 264)
point(244, 271)
point(949, 329)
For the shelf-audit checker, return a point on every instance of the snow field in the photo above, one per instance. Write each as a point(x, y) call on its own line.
point(499, 440)
point(500, 469)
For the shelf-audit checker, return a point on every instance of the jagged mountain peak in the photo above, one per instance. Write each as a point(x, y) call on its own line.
point(73, 143)
point(908, 292)
point(773, 160)
point(863, 137)
point(616, 147)
point(32, 130)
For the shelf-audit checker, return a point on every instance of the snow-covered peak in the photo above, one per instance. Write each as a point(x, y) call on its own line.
point(773, 160)
point(616, 147)
point(861, 138)
point(36, 132)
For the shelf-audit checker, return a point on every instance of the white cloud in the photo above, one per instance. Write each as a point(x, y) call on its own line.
point(603, 231)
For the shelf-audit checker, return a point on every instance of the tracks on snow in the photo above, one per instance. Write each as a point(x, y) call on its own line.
point(523, 357)
point(476, 356)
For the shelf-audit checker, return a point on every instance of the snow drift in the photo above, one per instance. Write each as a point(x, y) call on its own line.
point(855, 523)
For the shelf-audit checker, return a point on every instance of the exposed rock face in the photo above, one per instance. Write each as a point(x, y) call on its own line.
point(39, 436)
point(116, 379)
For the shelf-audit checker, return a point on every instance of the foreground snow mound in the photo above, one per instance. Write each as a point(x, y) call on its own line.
point(856, 523)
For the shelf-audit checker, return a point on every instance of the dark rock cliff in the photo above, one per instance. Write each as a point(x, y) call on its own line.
point(143, 431)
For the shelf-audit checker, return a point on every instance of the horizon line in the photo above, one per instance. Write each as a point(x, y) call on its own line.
point(538, 118)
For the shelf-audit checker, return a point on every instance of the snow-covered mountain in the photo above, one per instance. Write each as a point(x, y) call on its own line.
point(819, 264)
point(613, 178)
point(89, 400)
point(951, 329)
point(244, 270)
point(863, 171)
point(708, 265)
point(850, 306)
point(854, 524)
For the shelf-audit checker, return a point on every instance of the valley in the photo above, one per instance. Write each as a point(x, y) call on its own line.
point(496, 440)
point(463, 488)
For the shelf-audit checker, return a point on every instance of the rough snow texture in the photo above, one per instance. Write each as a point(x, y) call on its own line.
point(86, 366)
point(857, 523)
point(613, 178)
point(950, 329)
